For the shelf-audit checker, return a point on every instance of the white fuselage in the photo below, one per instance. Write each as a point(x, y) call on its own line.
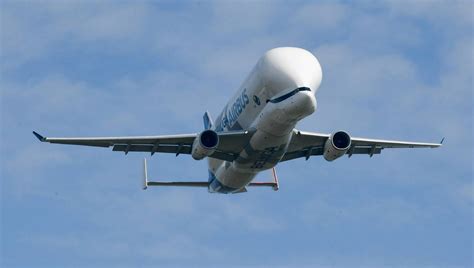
point(278, 93)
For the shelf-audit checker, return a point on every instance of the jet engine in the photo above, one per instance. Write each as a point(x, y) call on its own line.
point(205, 144)
point(337, 145)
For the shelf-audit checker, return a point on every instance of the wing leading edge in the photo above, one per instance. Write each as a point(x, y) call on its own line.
point(306, 144)
point(303, 144)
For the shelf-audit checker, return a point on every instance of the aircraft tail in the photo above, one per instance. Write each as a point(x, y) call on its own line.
point(208, 123)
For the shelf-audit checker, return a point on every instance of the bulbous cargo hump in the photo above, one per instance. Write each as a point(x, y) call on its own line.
point(290, 67)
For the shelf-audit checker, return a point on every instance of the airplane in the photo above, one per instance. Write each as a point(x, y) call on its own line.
point(256, 129)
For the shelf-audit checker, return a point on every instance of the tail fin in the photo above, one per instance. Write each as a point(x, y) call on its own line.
point(145, 175)
point(208, 123)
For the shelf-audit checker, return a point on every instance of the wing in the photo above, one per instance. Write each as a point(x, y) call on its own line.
point(306, 144)
point(230, 143)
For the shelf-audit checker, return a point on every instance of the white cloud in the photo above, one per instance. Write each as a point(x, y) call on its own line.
point(320, 18)
point(233, 18)
point(34, 30)
point(26, 159)
point(457, 13)
point(23, 166)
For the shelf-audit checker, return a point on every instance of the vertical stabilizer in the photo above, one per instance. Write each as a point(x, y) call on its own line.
point(208, 123)
point(145, 175)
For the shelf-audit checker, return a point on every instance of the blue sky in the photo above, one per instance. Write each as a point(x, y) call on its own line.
point(394, 70)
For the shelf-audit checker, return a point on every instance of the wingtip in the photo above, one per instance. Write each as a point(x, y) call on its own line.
point(40, 138)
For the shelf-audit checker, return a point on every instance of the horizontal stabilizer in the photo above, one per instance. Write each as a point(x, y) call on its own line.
point(265, 184)
point(179, 183)
point(147, 183)
point(274, 184)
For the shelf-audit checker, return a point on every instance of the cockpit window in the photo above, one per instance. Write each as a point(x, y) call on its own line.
point(289, 94)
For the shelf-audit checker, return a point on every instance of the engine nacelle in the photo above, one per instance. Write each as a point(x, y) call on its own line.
point(205, 144)
point(337, 145)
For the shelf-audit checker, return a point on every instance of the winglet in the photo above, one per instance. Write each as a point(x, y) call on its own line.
point(40, 138)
